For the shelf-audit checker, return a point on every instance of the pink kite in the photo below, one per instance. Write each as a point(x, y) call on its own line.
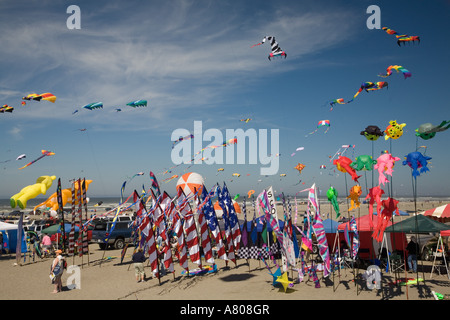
point(385, 162)
point(374, 194)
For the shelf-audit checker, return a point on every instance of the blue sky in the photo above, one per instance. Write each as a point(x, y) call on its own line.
point(192, 61)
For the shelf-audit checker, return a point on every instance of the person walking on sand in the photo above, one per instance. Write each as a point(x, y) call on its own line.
point(57, 270)
point(139, 259)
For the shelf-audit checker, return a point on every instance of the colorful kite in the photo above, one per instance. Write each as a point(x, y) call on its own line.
point(370, 86)
point(94, 105)
point(427, 130)
point(191, 136)
point(246, 120)
point(38, 97)
point(276, 50)
point(299, 167)
point(298, 149)
point(401, 38)
point(6, 108)
point(394, 130)
point(322, 123)
point(236, 175)
point(337, 101)
point(405, 72)
point(137, 103)
point(372, 133)
point(416, 160)
point(171, 178)
point(45, 153)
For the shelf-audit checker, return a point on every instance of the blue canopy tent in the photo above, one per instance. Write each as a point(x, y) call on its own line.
point(9, 232)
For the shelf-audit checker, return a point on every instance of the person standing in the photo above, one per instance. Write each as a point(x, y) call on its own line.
point(413, 251)
point(138, 260)
point(57, 270)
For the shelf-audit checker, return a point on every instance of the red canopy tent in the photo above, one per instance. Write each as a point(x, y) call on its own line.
point(368, 246)
point(441, 214)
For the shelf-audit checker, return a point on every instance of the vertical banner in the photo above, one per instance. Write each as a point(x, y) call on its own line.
point(85, 231)
point(19, 238)
point(72, 226)
point(61, 214)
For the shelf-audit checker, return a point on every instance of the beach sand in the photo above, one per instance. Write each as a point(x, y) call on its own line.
point(105, 278)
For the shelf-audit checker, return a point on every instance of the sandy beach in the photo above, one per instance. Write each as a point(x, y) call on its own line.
point(103, 277)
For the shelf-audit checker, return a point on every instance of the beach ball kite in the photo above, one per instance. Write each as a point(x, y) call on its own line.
point(190, 183)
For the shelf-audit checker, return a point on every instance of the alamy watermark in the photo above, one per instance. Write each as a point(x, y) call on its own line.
point(74, 21)
point(250, 143)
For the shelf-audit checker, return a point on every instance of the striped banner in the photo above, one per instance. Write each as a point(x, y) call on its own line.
point(205, 240)
point(72, 227)
point(146, 229)
point(85, 231)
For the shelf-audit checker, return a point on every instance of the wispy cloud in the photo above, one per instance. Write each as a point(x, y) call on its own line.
point(169, 54)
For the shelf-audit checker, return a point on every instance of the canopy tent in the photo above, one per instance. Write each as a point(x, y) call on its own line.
point(369, 247)
point(418, 224)
point(56, 228)
point(421, 224)
point(441, 214)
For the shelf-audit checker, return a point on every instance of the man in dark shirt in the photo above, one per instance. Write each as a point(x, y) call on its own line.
point(413, 250)
point(139, 259)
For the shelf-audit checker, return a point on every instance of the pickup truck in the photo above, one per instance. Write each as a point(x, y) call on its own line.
point(119, 236)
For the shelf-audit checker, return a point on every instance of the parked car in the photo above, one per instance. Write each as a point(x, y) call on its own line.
point(117, 239)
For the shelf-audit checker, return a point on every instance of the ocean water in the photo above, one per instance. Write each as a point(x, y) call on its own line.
point(107, 203)
point(111, 202)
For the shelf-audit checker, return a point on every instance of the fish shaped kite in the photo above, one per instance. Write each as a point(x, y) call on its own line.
point(394, 130)
point(276, 50)
point(94, 105)
point(401, 38)
point(45, 153)
point(137, 103)
point(405, 72)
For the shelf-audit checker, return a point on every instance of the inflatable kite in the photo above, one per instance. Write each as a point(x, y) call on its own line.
point(363, 162)
point(276, 50)
point(416, 160)
point(355, 193)
point(401, 38)
point(385, 162)
point(394, 130)
point(66, 196)
point(427, 130)
point(299, 167)
point(43, 183)
point(343, 164)
point(45, 153)
point(137, 103)
point(94, 105)
point(405, 72)
point(389, 207)
point(6, 108)
point(332, 195)
point(374, 195)
point(372, 133)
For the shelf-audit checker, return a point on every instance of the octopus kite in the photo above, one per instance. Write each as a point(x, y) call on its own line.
point(276, 50)
point(389, 207)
